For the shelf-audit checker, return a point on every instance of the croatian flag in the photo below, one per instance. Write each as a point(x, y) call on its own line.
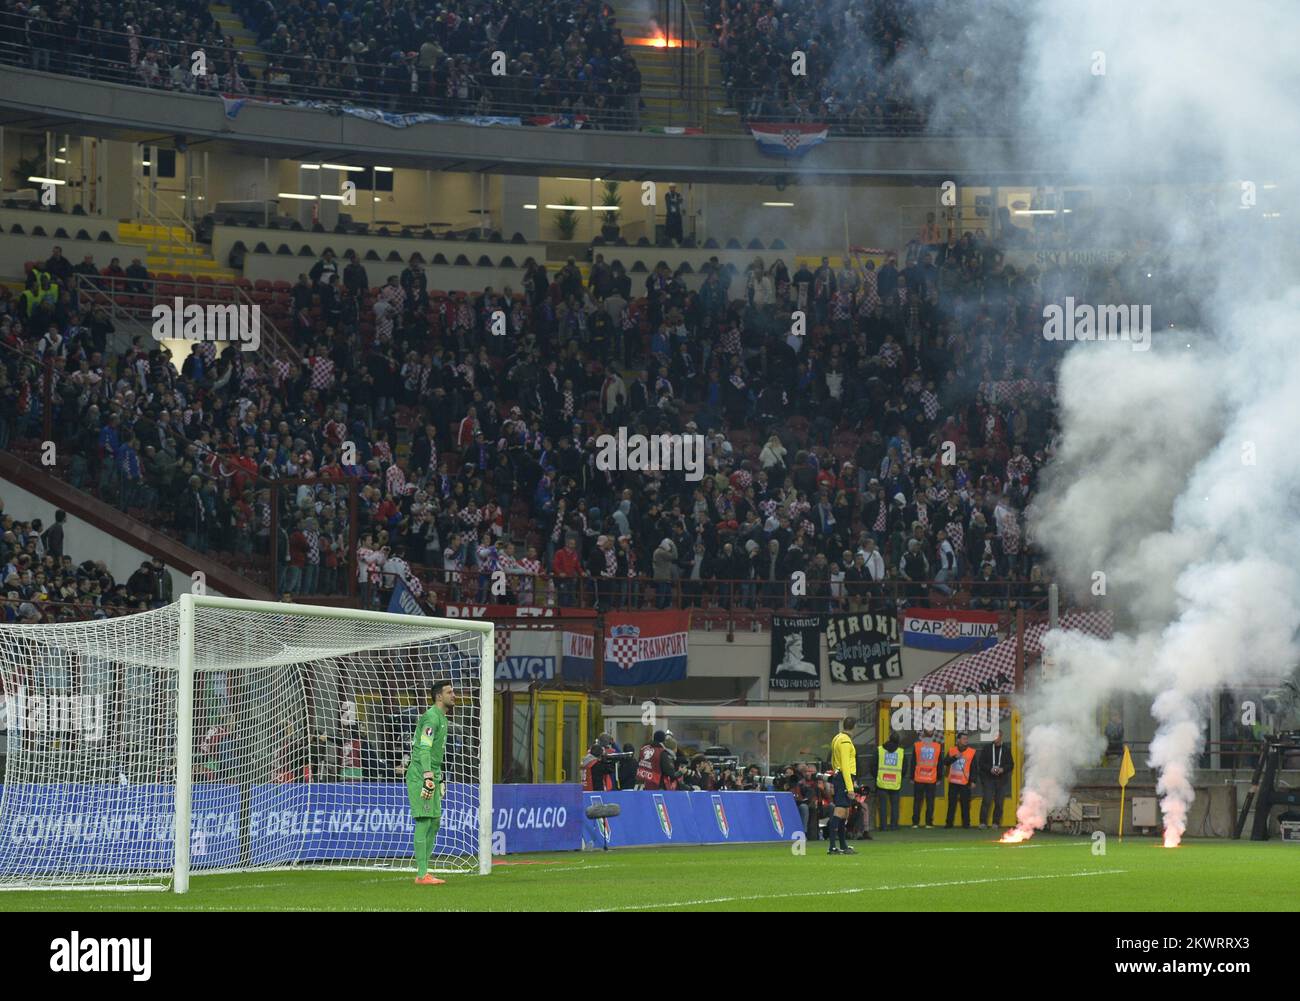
point(403, 602)
point(788, 140)
point(641, 648)
point(949, 629)
point(232, 105)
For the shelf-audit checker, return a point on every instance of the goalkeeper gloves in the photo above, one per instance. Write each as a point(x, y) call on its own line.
point(429, 785)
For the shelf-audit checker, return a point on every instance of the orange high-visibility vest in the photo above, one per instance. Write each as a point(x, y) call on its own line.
point(927, 761)
point(959, 770)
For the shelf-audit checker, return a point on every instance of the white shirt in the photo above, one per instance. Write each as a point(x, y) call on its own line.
point(875, 563)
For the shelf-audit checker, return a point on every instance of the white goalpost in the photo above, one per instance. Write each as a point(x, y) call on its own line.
point(224, 735)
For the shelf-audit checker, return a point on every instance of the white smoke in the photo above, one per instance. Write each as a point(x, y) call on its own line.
point(1175, 477)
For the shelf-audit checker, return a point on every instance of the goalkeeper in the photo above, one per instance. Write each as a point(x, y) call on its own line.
point(424, 780)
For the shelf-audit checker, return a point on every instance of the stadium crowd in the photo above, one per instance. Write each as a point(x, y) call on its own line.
point(39, 582)
point(848, 51)
point(824, 454)
point(875, 67)
point(563, 57)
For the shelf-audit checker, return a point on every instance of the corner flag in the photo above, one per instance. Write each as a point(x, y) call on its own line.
point(1126, 772)
point(1126, 769)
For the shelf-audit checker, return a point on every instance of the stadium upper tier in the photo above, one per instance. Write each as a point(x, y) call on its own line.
point(542, 63)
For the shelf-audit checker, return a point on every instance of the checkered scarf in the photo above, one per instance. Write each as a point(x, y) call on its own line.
point(869, 294)
point(322, 372)
point(929, 404)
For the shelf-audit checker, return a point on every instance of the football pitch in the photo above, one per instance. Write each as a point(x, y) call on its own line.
point(903, 870)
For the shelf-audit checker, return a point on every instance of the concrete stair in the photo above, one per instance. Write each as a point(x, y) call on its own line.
point(233, 25)
point(171, 250)
point(717, 116)
point(661, 75)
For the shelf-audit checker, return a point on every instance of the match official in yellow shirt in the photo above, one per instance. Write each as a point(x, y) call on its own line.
point(844, 760)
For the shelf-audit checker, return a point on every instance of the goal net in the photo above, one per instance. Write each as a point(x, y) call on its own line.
point(220, 735)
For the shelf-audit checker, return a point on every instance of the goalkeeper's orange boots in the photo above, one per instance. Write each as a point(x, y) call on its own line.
point(429, 880)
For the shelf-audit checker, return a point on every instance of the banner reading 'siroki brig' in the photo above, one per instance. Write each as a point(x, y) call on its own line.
point(641, 648)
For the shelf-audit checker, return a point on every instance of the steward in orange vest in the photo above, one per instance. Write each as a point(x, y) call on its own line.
point(926, 753)
point(960, 762)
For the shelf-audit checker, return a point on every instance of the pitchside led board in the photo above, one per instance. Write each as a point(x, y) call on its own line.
point(1010, 725)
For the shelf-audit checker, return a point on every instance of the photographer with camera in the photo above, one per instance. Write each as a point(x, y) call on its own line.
point(701, 774)
point(753, 780)
point(656, 768)
point(814, 799)
point(600, 766)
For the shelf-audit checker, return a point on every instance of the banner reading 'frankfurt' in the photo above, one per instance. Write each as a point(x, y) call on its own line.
point(641, 648)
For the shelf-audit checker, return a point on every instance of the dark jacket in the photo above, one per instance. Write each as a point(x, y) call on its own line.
point(984, 761)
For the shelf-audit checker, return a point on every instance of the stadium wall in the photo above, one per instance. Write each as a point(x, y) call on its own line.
point(716, 668)
point(16, 251)
point(83, 541)
point(42, 100)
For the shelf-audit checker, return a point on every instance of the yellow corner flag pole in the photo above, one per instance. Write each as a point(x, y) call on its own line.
point(1126, 772)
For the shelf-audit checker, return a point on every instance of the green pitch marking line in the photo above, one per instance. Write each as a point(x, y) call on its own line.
point(916, 870)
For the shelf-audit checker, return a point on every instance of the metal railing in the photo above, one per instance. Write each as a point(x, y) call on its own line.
point(140, 198)
point(745, 601)
point(385, 86)
point(120, 295)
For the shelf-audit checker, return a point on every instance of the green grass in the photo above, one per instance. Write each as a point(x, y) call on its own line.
point(912, 870)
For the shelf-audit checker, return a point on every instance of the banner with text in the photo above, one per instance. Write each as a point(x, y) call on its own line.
point(949, 629)
point(103, 826)
point(641, 648)
point(796, 661)
point(691, 818)
point(863, 648)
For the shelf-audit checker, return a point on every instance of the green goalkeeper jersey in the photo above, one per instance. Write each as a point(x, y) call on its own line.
point(429, 743)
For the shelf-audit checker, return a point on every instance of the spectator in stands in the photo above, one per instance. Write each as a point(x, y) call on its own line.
point(567, 567)
point(138, 275)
